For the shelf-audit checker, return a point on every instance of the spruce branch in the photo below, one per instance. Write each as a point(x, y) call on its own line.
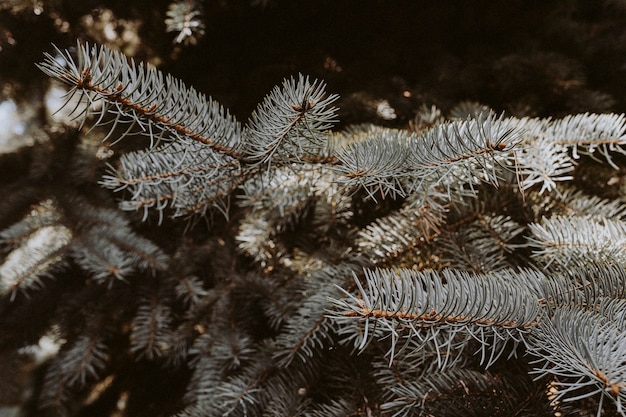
point(337, 408)
point(103, 245)
point(84, 359)
point(241, 395)
point(451, 156)
point(202, 162)
point(613, 309)
point(571, 202)
point(282, 198)
point(484, 244)
point(403, 231)
point(466, 149)
point(79, 362)
point(546, 163)
point(418, 302)
point(598, 281)
point(103, 260)
point(38, 244)
point(590, 134)
point(552, 147)
point(585, 352)
point(416, 396)
point(184, 17)
point(188, 178)
point(308, 330)
point(578, 286)
point(262, 323)
point(159, 105)
point(567, 241)
point(189, 290)
point(290, 123)
point(376, 162)
point(106, 245)
point(152, 334)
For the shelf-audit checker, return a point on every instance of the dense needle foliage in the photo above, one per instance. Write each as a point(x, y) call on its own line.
point(163, 257)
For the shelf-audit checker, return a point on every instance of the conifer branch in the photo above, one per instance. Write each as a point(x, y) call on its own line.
point(78, 363)
point(38, 257)
point(568, 241)
point(611, 308)
point(545, 163)
point(39, 243)
point(415, 396)
point(586, 352)
point(159, 105)
point(484, 244)
point(151, 335)
point(254, 307)
point(307, 330)
point(417, 301)
point(390, 237)
point(576, 203)
point(186, 177)
point(185, 18)
point(84, 360)
point(290, 122)
point(590, 134)
point(450, 156)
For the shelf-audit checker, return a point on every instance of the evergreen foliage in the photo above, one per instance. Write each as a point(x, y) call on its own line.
point(456, 269)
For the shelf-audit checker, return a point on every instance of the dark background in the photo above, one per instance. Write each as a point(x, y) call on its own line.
point(527, 58)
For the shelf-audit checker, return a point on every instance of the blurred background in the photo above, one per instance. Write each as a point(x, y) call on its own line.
point(390, 61)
